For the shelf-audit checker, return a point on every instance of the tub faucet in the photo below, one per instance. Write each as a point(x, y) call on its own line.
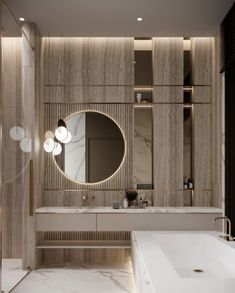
point(227, 227)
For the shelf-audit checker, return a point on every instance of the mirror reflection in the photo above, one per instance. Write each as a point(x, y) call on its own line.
point(96, 149)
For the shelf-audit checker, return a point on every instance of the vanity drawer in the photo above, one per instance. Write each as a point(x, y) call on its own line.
point(151, 222)
point(65, 222)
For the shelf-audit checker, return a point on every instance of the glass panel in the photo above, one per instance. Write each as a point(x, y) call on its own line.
point(16, 151)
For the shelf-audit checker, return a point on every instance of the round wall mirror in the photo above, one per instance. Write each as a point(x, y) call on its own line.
point(96, 150)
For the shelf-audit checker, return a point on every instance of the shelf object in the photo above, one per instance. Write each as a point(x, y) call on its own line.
point(90, 244)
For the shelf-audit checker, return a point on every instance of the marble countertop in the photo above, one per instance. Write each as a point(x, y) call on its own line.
point(110, 210)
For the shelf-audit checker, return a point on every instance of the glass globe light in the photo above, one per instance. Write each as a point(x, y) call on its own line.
point(61, 133)
point(67, 139)
point(57, 149)
point(26, 145)
point(49, 145)
point(17, 133)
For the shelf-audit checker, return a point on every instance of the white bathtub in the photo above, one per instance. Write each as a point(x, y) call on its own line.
point(183, 262)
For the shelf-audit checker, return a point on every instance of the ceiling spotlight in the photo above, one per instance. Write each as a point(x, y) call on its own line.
point(22, 19)
point(139, 19)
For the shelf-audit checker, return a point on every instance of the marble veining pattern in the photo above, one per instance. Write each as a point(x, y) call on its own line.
point(110, 210)
point(12, 273)
point(79, 279)
point(142, 170)
point(75, 151)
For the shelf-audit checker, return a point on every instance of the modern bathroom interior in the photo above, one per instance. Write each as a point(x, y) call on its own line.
point(117, 146)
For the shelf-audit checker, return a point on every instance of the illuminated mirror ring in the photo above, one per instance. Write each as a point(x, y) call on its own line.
point(96, 151)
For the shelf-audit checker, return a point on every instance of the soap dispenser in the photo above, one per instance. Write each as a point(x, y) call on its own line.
point(140, 203)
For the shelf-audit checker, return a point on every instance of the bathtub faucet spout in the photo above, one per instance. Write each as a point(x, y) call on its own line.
point(227, 227)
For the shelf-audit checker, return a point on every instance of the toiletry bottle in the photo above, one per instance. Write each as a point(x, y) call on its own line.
point(140, 203)
point(190, 183)
point(139, 97)
point(185, 183)
point(125, 203)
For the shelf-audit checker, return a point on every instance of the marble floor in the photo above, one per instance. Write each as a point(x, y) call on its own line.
point(79, 279)
point(11, 273)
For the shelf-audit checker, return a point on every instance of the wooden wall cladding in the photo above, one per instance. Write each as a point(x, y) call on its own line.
point(13, 159)
point(168, 61)
point(88, 94)
point(122, 114)
point(202, 94)
point(88, 61)
point(168, 94)
point(201, 61)
point(74, 197)
point(202, 153)
point(168, 154)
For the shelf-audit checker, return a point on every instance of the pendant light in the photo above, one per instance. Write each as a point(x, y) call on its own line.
point(67, 139)
point(49, 143)
point(61, 131)
point(57, 149)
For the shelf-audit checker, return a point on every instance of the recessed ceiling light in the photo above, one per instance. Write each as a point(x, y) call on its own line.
point(139, 19)
point(21, 19)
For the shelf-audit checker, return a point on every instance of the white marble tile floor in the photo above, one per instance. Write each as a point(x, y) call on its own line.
point(12, 273)
point(79, 279)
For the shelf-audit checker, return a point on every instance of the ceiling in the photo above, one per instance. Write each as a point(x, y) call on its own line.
point(118, 18)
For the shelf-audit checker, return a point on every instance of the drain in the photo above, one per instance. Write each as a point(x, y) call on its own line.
point(198, 270)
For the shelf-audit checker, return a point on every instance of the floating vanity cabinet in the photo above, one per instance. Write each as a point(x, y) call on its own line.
point(66, 222)
point(155, 221)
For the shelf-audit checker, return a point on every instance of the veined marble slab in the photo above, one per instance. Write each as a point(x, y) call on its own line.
point(79, 279)
point(12, 273)
point(110, 210)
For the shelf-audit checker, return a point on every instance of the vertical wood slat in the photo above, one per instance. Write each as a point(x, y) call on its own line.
point(122, 114)
point(201, 61)
point(168, 61)
point(12, 161)
point(202, 146)
point(202, 154)
point(32, 101)
point(168, 154)
point(217, 127)
point(89, 61)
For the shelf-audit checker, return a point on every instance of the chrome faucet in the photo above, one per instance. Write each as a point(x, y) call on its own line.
point(227, 227)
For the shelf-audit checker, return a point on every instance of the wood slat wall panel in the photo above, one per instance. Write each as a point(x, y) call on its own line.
point(168, 154)
point(203, 198)
point(202, 147)
point(74, 197)
point(84, 256)
point(168, 61)
point(122, 114)
point(217, 127)
point(168, 94)
point(89, 61)
point(201, 61)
